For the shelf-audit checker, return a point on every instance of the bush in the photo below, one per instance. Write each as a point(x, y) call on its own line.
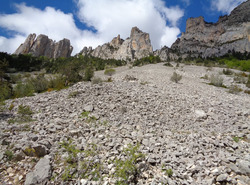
point(96, 80)
point(234, 89)
point(57, 83)
point(176, 77)
point(39, 83)
point(25, 113)
point(216, 80)
point(109, 72)
point(5, 92)
point(227, 72)
point(88, 74)
point(147, 60)
point(126, 170)
point(23, 89)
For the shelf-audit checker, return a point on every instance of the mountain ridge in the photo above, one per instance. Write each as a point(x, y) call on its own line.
point(231, 33)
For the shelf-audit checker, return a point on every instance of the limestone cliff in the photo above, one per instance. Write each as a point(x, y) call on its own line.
point(43, 46)
point(137, 46)
point(217, 39)
point(203, 39)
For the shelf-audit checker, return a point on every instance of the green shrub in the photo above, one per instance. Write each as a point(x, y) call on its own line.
point(234, 89)
point(227, 71)
point(96, 80)
point(147, 60)
point(176, 77)
point(169, 172)
point(25, 113)
point(88, 74)
point(57, 83)
point(109, 72)
point(216, 80)
point(9, 155)
point(126, 170)
point(23, 89)
point(39, 83)
point(6, 91)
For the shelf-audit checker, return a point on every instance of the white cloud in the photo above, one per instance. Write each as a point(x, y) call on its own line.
point(112, 17)
point(54, 23)
point(108, 17)
point(225, 6)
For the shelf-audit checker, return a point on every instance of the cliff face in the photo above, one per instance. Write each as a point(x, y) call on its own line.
point(137, 46)
point(43, 46)
point(230, 33)
point(203, 39)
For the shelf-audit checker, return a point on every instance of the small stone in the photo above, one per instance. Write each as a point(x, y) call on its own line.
point(84, 182)
point(88, 108)
point(200, 114)
point(222, 178)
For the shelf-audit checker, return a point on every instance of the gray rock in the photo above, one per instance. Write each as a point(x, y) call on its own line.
point(212, 39)
point(222, 178)
point(244, 167)
point(41, 173)
point(43, 46)
point(135, 47)
point(89, 108)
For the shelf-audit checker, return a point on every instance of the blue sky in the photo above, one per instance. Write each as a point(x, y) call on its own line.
point(94, 22)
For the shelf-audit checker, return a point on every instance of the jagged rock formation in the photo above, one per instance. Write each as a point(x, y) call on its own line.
point(203, 39)
point(137, 46)
point(43, 46)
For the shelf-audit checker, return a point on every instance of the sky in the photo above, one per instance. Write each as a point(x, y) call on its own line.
point(95, 22)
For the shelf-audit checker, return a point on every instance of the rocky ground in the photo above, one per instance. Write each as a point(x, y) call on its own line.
point(188, 132)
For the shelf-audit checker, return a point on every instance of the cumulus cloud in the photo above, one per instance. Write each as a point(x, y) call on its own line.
point(112, 17)
point(225, 6)
point(54, 23)
point(108, 17)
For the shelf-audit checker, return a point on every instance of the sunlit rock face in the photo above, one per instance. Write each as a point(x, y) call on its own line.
point(43, 46)
point(230, 33)
point(137, 46)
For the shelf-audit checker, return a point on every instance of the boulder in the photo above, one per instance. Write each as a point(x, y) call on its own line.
point(41, 173)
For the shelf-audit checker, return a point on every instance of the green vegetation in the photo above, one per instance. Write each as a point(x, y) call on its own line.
point(216, 80)
point(109, 72)
point(176, 77)
point(24, 115)
point(169, 172)
point(88, 166)
point(126, 170)
point(234, 89)
point(9, 155)
point(227, 72)
point(147, 60)
point(233, 61)
point(60, 73)
point(237, 139)
point(96, 80)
